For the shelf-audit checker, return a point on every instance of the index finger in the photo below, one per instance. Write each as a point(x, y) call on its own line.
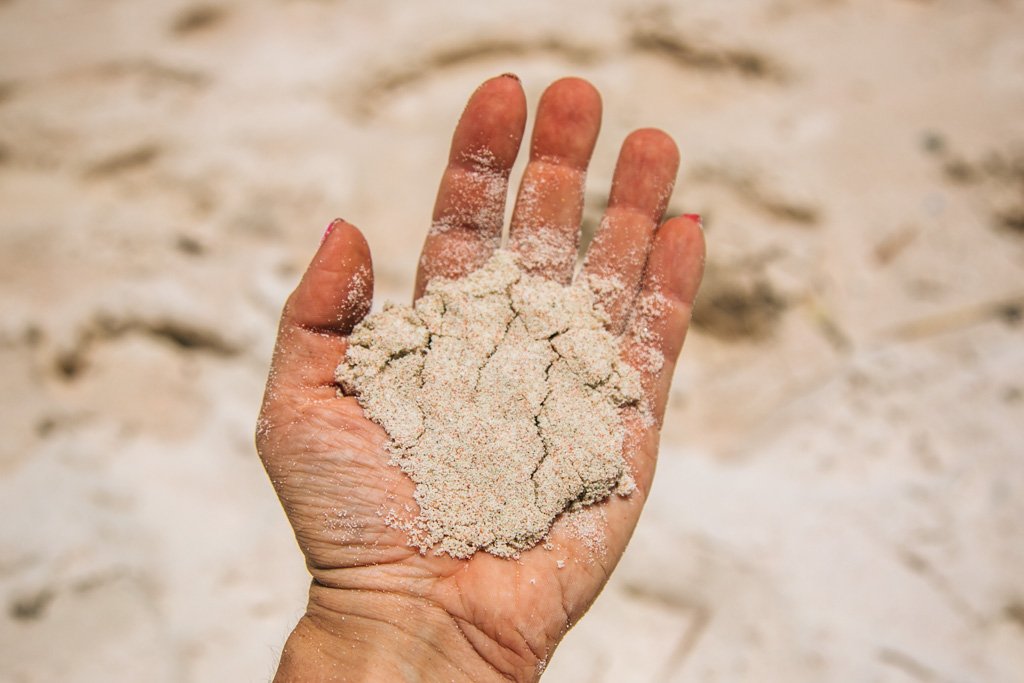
point(470, 207)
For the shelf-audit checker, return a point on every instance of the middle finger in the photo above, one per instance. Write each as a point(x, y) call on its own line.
point(546, 220)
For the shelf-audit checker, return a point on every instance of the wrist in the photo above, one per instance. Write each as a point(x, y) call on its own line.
point(354, 635)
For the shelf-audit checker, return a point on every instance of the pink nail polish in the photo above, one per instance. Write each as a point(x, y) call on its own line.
point(695, 217)
point(329, 229)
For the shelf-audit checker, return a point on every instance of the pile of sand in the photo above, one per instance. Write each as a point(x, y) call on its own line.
point(500, 392)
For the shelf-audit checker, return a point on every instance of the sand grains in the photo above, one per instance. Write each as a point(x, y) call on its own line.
point(501, 394)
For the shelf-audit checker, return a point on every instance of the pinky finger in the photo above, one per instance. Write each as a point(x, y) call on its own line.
point(661, 314)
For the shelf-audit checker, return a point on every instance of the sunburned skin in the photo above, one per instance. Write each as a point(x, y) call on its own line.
point(501, 394)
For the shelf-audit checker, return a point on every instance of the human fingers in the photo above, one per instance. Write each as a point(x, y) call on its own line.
point(641, 187)
point(661, 315)
point(470, 206)
point(333, 296)
point(546, 219)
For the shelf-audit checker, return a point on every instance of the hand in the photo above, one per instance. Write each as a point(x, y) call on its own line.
point(378, 608)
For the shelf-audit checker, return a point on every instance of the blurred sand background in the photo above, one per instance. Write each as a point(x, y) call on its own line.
point(841, 488)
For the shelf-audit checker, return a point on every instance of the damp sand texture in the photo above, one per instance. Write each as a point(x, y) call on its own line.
point(500, 392)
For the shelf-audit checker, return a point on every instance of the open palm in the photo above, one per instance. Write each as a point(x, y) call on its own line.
point(329, 463)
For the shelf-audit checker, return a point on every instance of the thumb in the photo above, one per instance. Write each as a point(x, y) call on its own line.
point(333, 296)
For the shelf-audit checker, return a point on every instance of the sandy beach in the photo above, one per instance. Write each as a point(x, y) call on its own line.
point(840, 491)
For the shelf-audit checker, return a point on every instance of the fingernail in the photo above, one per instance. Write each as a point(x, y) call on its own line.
point(694, 217)
point(510, 75)
point(329, 229)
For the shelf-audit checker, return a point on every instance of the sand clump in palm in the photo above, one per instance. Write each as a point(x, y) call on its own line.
point(500, 392)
